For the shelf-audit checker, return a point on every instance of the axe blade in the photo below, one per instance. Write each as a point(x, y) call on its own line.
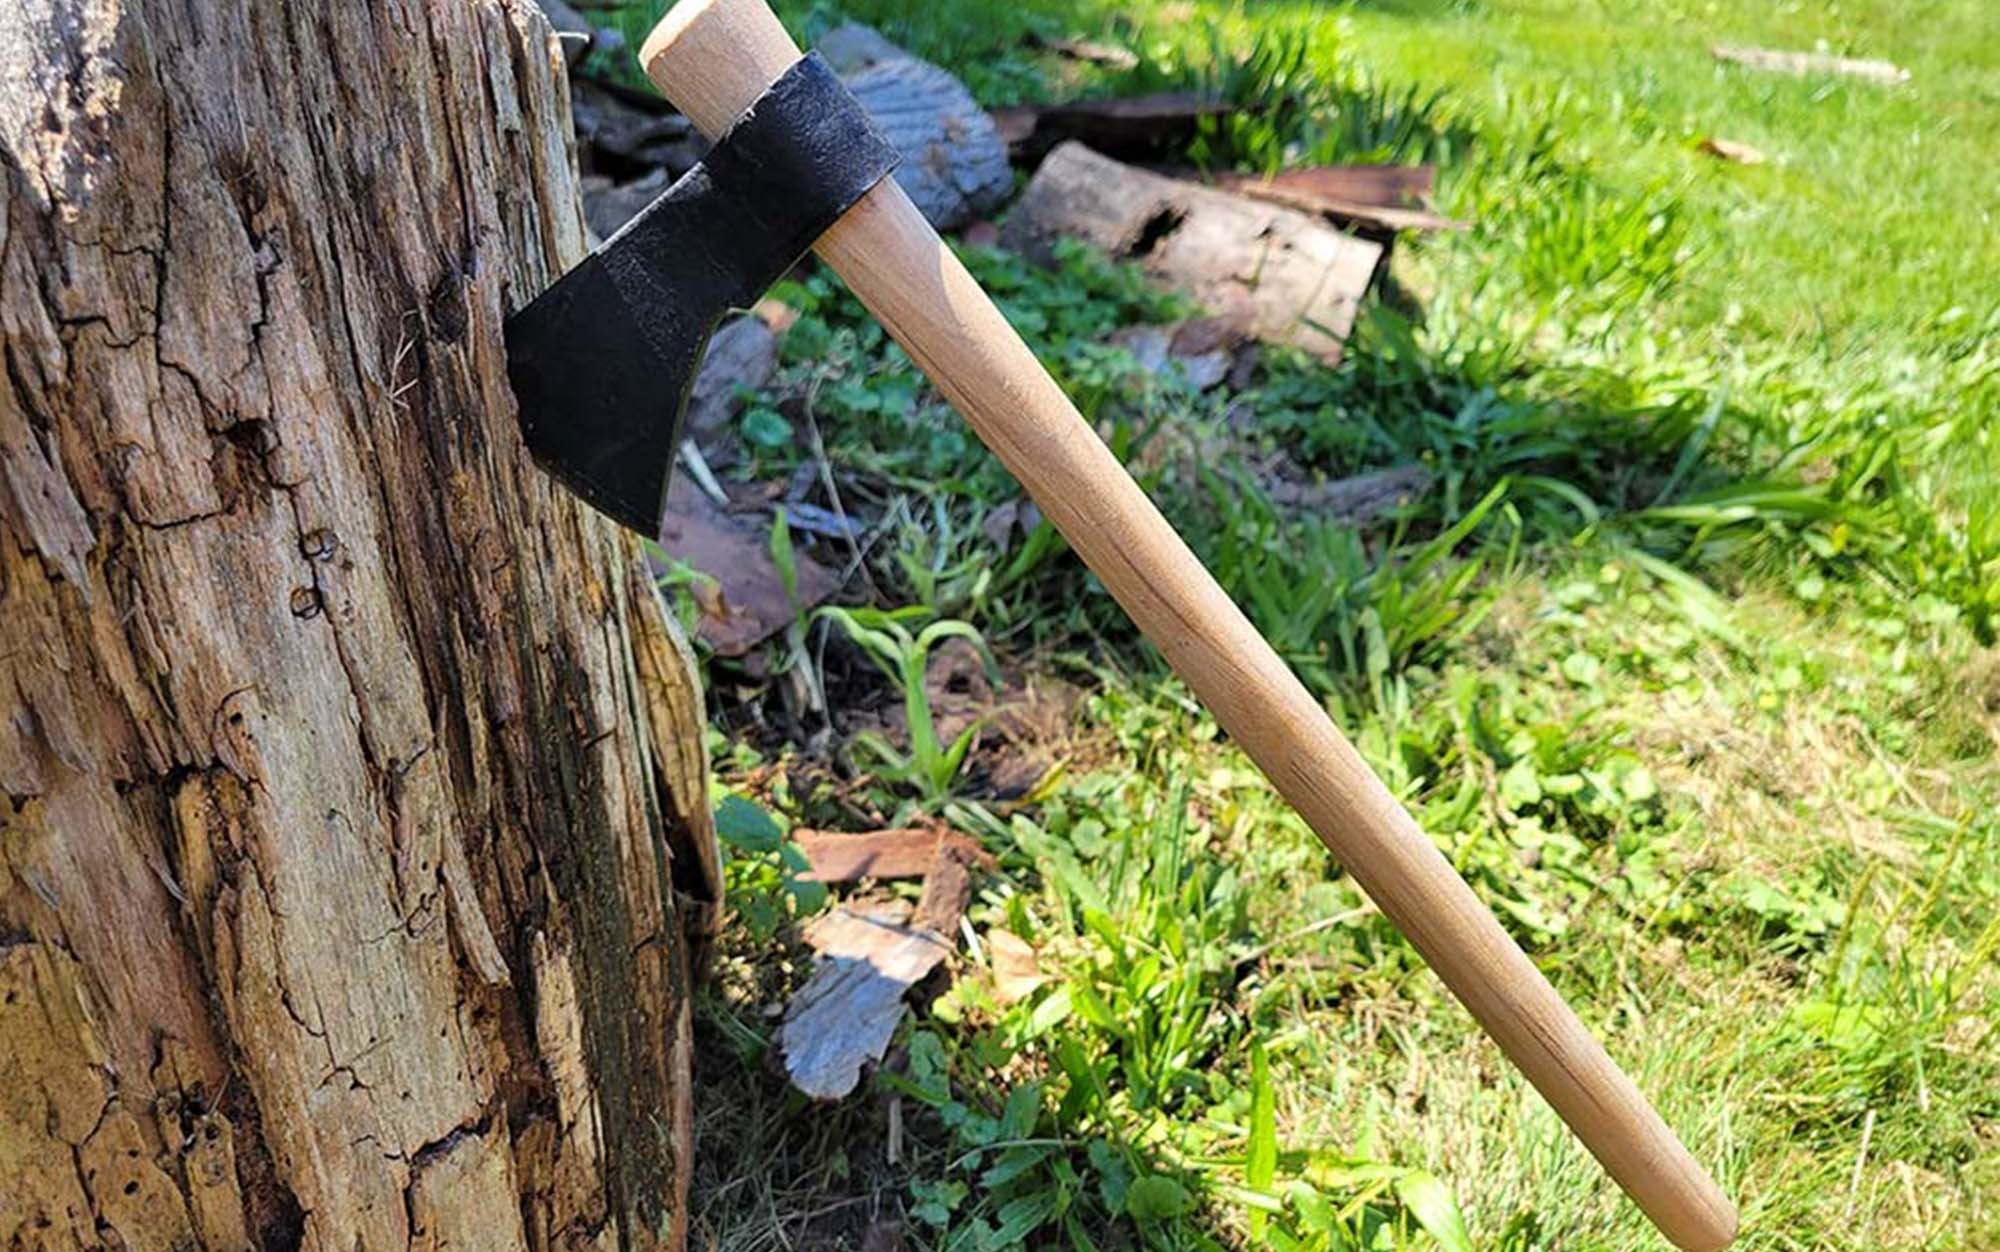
point(602, 362)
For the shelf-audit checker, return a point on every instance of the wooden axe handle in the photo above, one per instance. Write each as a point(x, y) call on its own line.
point(712, 58)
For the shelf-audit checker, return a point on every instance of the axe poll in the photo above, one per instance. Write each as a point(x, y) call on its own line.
point(602, 362)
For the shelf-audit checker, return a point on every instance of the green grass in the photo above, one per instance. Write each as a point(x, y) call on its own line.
point(1875, 215)
point(1686, 660)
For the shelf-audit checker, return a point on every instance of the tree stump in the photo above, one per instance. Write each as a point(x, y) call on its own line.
point(353, 819)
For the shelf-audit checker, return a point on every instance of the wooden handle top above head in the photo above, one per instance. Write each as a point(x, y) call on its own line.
point(713, 58)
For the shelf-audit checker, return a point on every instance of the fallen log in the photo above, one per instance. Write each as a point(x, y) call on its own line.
point(1130, 126)
point(1283, 275)
point(954, 163)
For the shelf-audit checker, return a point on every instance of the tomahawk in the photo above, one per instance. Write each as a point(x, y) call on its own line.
point(602, 363)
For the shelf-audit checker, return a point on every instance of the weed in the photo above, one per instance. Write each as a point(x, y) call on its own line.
point(930, 766)
point(761, 867)
point(1289, 110)
point(1327, 605)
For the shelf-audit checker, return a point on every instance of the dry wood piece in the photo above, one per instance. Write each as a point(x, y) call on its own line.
point(1731, 150)
point(575, 32)
point(871, 954)
point(1810, 63)
point(1384, 198)
point(1355, 501)
point(1183, 350)
point(845, 1015)
point(1110, 55)
point(909, 853)
point(623, 133)
point(743, 599)
point(954, 163)
point(948, 887)
point(337, 892)
point(1285, 276)
point(1130, 126)
point(1383, 186)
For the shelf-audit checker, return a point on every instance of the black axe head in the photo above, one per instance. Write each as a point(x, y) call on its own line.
point(603, 360)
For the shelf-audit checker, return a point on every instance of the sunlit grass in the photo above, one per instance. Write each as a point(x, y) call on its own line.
point(1685, 659)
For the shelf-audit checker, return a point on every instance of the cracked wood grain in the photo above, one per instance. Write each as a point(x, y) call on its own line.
point(351, 788)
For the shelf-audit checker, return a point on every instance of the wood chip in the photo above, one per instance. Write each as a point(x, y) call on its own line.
point(1287, 276)
point(1730, 150)
point(845, 1015)
point(835, 856)
point(1385, 197)
point(571, 28)
point(1810, 63)
point(1160, 351)
point(948, 887)
point(871, 953)
point(1201, 335)
point(776, 314)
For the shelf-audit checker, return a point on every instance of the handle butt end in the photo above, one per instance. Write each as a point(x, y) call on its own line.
point(713, 58)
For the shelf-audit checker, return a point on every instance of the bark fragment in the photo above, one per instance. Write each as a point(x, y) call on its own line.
point(871, 954)
point(743, 596)
point(835, 856)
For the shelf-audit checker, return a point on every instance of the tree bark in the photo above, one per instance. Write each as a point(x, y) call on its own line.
point(354, 817)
